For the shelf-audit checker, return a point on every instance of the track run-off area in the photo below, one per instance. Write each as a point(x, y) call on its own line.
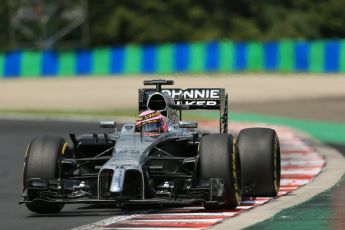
point(300, 164)
point(304, 164)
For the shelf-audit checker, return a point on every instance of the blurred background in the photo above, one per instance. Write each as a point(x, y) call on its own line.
point(82, 37)
point(44, 24)
point(41, 37)
point(231, 42)
point(264, 51)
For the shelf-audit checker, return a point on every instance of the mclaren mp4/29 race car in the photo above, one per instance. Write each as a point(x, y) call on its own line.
point(159, 160)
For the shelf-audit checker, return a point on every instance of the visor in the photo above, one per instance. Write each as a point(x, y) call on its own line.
point(151, 126)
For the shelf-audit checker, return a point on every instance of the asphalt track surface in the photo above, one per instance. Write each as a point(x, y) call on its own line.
point(14, 137)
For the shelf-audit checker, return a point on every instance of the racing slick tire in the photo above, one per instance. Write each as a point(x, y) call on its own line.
point(41, 161)
point(259, 152)
point(218, 158)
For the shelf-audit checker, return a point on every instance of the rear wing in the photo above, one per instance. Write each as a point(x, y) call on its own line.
point(193, 99)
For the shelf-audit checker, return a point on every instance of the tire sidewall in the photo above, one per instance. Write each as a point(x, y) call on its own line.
point(259, 151)
point(42, 161)
point(218, 158)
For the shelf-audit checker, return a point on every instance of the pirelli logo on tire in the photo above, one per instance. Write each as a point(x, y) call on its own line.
point(275, 166)
point(234, 172)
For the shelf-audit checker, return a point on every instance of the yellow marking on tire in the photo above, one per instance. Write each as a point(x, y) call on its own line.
point(64, 149)
point(275, 165)
point(234, 166)
point(234, 175)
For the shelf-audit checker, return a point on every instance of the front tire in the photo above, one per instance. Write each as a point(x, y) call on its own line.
point(41, 161)
point(218, 158)
point(260, 162)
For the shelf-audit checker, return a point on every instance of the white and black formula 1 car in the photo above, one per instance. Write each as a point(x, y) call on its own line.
point(158, 161)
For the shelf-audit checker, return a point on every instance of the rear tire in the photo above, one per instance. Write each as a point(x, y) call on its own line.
point(41, 161)
point(260, 162)
point(218, 158)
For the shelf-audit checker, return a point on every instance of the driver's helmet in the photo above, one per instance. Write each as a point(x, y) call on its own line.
point(151, 121)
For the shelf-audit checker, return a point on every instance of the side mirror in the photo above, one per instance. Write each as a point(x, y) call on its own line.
point(107, 124)
point(188, 124)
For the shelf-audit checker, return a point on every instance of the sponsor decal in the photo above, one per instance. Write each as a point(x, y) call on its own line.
point(149, 116)
point(201, 103)
point(196, 97)
point(193, 94)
